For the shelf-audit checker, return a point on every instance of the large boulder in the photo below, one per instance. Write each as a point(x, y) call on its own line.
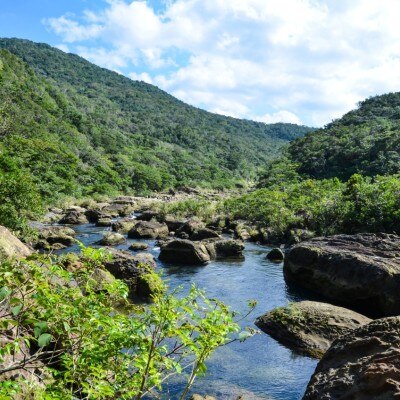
point(124, 225)
point(148, 230)
point(54, 236)
point(182, 251)
point(228, 249)
point(131, 269)
point(112, 239)
point(363, 364)
point(361, 271)
point(74, 218)
point(309, 327)
point(11, 246)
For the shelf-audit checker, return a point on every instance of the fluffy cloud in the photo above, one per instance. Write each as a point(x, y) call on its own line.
point(296, 61)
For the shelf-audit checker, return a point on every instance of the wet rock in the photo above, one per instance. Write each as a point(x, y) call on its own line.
point(148, 230)
point(363, 364)
point(112, 239)
point(11, 246)
point(276, 255)
point(309, 327)
point(137, 246)
point(74, 218)
point(182, 251)
point(358, 270)
point(131, 269)
point(124, 225)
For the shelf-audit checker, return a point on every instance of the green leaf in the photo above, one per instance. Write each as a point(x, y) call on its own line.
point(16, 310)
point(44, 339)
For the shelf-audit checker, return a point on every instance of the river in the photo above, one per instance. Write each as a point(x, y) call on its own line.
point(259, 368)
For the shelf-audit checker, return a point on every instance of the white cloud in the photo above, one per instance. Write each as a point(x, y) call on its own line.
point(279, 116)
point(308, 60)
point(144, 76)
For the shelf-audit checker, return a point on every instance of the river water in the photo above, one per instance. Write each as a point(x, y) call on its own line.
point(259, 368)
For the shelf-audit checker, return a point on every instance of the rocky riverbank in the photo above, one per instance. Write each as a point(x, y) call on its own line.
point(360, 272)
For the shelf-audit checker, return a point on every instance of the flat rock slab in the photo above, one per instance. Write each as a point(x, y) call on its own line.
point(363, 364)
point(354, 270)
point(309, 327)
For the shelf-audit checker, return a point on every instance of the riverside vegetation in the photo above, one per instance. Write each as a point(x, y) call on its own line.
point(69, 129)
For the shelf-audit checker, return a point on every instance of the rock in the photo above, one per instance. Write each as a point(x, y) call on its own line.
point(203, 233)
point(93, 215)
point(124, 225)
point(276, 255)
point(54, 236)
point(104, 222)
point(112, 239)
point(138, 246)
point(50, 217)
point(11, 246)
point(228, 249)
point(116, 209)
point(147, 215)
point(173, 223)
point(309, 327)
point(78, 209)
point(363, 364)
point(131, 268)
point(125, 200)
point(148, 230)
point(74, 218)
point(182, 251)
point(358, 270)
point(189, 228)
point(199, 397)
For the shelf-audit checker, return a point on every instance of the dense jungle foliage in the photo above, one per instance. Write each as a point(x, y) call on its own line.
point(365, 141)
point(69, 341)
point(118, 134)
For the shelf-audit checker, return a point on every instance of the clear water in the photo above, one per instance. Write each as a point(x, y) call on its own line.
point(259, 368)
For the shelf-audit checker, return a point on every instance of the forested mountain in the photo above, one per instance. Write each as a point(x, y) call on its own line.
point(366, 141)
point(80, 129)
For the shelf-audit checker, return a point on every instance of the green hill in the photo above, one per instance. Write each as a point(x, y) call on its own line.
point(82, 129)
point(366, 141)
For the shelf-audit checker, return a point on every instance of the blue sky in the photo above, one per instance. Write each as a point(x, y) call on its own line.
point(301, 61)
